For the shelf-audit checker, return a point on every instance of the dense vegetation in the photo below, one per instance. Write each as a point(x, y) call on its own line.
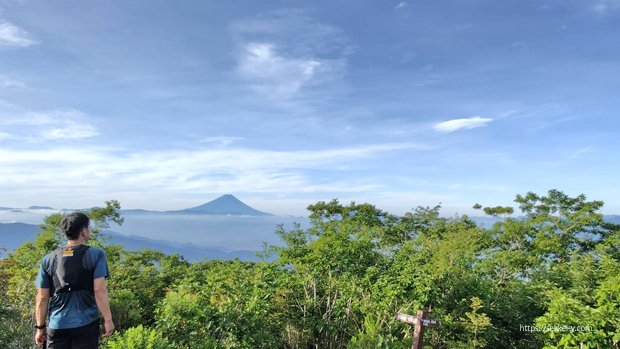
point(339, 283)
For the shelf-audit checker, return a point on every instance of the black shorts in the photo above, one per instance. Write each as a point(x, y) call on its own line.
point(85, 337)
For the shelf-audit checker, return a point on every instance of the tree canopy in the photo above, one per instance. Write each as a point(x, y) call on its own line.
point(547, 278)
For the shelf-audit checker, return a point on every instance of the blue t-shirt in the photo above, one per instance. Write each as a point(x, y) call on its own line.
point(78, 308)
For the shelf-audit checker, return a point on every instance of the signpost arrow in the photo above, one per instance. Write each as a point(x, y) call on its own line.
point(410, 319)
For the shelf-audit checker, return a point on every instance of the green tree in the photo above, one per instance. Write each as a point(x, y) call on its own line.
point(229, 303)
point(590, 305)
point(331, 266)
point(338, 283)
point(562, 225)
point(138, 281)
point(475, 323)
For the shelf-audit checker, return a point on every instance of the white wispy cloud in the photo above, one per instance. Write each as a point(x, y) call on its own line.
point(70, 132)
point(67, 124)
point(275, 74)
point(282, 52)
point(581, 152)
point(603, 7)
point(457, 124)
point(8, 83)
point(29, 119)
point(221, 141)
point(11, 35)
point(117, 173)
point(294, 30)
point(400, 5)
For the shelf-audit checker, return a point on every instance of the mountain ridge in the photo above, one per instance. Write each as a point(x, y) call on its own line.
point(13, 235)
point(226, 204)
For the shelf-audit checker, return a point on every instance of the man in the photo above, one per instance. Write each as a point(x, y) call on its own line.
point(71, 284)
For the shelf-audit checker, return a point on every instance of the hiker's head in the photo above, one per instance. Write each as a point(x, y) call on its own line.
point(73, 224)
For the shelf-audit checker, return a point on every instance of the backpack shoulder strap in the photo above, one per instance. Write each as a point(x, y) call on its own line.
point(88, 259)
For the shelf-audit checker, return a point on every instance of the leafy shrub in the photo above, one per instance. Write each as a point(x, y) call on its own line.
point(139, 338)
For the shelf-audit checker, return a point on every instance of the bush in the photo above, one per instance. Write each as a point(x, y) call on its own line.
point(138, 338)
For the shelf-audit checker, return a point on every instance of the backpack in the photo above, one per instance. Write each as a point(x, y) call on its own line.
point(70, 274)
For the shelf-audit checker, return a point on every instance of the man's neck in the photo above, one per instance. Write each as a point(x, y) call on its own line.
point(77, 242)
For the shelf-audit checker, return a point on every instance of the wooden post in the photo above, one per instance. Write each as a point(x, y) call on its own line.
point(419, 322)
point(418, 330)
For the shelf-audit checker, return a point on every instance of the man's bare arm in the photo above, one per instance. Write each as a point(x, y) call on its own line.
point(40, 313)
point(42, 302)
point(103, 303)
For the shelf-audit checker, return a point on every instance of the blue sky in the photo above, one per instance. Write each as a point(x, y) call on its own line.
point(166, 105)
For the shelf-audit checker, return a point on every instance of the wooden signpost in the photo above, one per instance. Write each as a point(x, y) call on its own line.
point(419, 322)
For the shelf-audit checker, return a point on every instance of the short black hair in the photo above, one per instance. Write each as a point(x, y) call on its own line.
point(73, 223)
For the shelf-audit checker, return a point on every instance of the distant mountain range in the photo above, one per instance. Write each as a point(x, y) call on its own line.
point(40, 208)
point(13, 235)
point(488, 221)
point(30, 209)
point(224, 205)
point(229, 205)
point(612, 218)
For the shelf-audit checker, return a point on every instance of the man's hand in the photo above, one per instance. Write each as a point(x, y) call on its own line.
point(40, 337)
point(108, 328)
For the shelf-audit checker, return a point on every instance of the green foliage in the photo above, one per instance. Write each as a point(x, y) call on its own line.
point(371, 336)
point(339, 283)
point(495, 211)
point(561, 224)
point(229, 303)
point(138, 281)
point(330, 269)
point(590, 306)
point(11, 334)
point(186, 317)
point(475, 323)
point(138, 338)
